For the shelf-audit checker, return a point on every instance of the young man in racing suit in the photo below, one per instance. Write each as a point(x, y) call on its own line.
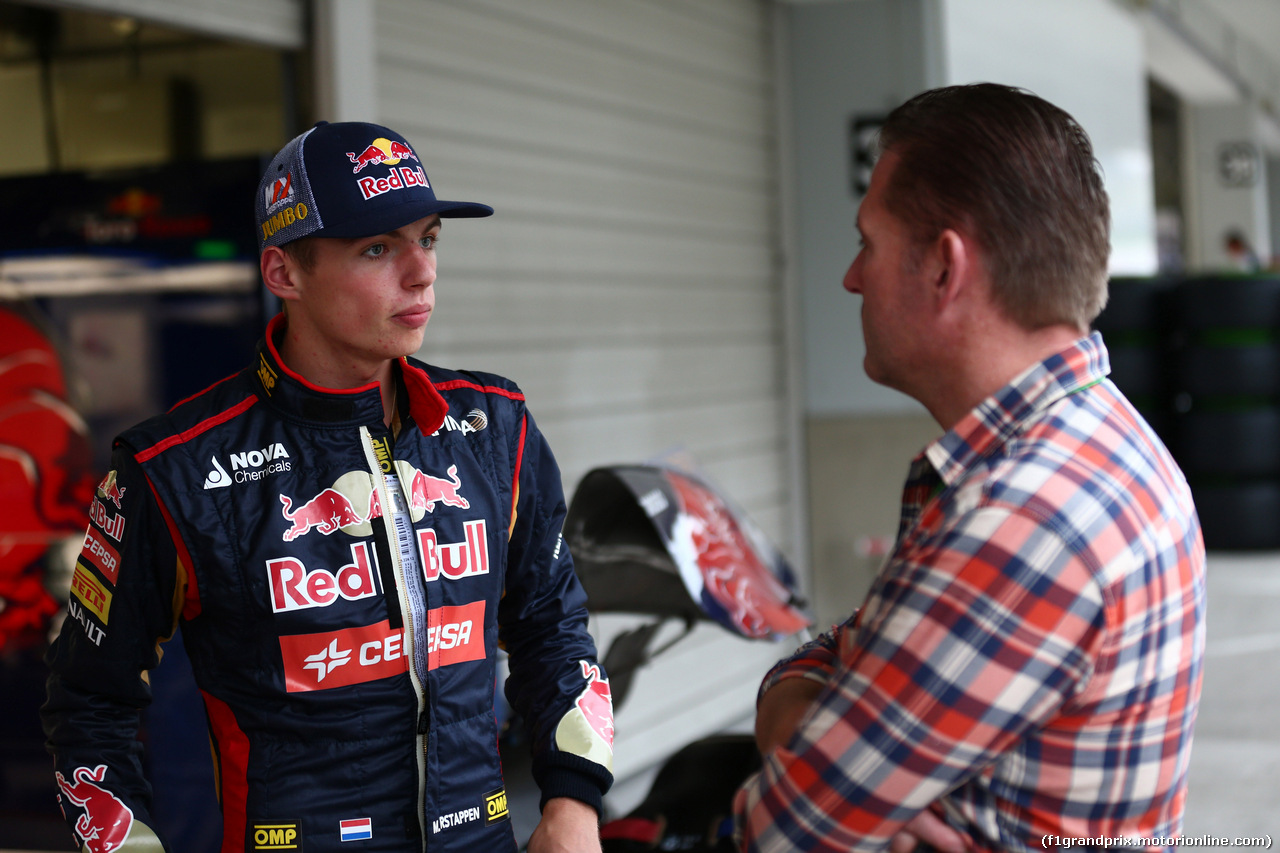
point(347, 535)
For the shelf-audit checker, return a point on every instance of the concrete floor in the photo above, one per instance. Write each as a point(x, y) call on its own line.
point(1235, 761)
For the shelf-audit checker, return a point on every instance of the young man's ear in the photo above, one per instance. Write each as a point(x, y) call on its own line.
point(278, 272)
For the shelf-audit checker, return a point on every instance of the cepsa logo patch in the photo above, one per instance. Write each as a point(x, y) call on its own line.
point(99, 554)
point(358, 655)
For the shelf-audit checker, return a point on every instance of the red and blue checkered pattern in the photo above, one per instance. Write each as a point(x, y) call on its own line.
point(1028, 661)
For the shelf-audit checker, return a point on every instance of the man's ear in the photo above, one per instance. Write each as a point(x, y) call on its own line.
point(952, 267)
point(279, 272)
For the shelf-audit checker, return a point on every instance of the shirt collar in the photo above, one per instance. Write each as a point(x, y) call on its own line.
point(998, 417)
point(282, 387)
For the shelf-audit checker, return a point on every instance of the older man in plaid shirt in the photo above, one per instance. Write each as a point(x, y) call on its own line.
point(1028, 662)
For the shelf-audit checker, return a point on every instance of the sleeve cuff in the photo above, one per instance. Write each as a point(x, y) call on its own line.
point(568, 775)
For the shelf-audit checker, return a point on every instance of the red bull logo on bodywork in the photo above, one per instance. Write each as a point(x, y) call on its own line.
point(104, 826)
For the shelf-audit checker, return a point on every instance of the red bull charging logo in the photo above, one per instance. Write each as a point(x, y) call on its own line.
point(108, 490)
point(596, 702)
point(351, 502)
point(104, 826)
point(381, 150)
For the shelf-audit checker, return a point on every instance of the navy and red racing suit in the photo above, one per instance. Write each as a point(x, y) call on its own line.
point(349, 695)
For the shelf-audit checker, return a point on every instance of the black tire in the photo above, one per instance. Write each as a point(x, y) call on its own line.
point(1134, 304)
point(1138, 371)
point(1239, 517)
point(1211, 371)
point(1229, 444)
point(1222, 302)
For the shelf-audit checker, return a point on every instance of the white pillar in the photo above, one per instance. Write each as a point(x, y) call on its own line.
point(345, 60)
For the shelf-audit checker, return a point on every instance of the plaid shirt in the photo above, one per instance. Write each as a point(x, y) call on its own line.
point(1028, 661)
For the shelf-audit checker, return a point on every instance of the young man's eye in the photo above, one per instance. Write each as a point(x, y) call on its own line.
point(376, 250)
point(428, 241)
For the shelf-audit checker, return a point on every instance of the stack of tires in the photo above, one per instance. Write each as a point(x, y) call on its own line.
point(1138, 331)
point(1226, 401)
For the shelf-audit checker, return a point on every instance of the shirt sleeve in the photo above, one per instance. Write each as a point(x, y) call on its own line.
point(556, 684)
point(126, 596)
point(967, 642)
point(815, 660)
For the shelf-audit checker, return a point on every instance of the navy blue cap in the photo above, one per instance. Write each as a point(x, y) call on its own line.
point(347, 179)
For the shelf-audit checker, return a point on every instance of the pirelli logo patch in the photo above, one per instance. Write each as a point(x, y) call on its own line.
point(277, 835)
point(495, 806)
point(91, 593)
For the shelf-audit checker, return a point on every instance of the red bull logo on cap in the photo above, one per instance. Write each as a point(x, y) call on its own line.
point(382, 150)
point(104, 826)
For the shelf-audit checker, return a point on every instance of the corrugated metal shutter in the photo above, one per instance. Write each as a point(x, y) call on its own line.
point(630, 281)
point(276, 23)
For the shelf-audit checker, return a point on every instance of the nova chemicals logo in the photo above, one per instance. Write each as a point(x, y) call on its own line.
point(248, 466)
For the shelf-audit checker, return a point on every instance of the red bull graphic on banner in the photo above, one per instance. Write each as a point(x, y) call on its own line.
point(104, 826)
point(352, 501)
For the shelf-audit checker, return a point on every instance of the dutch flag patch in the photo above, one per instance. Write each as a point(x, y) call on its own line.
point(356, 829)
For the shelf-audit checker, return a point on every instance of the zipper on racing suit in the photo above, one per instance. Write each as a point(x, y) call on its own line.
point(387, 544)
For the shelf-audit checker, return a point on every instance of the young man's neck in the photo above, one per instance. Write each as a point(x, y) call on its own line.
point(323, 369)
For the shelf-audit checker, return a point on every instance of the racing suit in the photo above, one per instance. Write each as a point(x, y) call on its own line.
point(342, 588)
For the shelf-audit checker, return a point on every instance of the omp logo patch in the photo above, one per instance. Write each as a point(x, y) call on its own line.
point(495, 806)
point(90, 592)
point(276, 835)
point(266, 375)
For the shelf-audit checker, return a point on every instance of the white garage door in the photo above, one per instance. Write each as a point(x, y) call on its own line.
point(631, 279)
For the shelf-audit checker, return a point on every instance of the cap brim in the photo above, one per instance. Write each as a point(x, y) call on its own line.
point(397, 216)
